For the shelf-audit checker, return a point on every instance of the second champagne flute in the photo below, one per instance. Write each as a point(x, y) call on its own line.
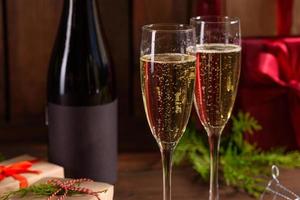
point(217, 75)
point(167, 69)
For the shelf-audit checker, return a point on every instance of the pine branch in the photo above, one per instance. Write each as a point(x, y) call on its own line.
point(37, 190)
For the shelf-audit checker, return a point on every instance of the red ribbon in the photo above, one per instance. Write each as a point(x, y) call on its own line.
point(14, 170)
point(276, 74)
point(69, 186)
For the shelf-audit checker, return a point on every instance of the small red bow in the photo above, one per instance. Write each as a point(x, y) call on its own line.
point(14, 171)
point(69, 186)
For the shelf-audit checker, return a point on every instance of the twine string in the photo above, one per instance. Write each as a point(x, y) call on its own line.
point(70, 185)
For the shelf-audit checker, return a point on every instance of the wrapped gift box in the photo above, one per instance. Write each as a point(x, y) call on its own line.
point(93, 186)
point(270, 90)
point(13, 180)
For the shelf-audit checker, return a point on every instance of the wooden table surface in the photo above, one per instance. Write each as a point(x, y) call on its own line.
point(140, 177)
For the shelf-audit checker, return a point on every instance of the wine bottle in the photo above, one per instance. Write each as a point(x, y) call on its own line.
point(82, 103)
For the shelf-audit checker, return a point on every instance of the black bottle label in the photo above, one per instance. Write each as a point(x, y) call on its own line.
point(84, 140)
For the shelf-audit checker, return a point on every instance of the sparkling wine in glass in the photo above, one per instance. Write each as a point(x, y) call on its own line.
point(218, 53)
point(167, 70)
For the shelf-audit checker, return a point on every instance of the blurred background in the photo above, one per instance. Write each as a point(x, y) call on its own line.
point(27, 32)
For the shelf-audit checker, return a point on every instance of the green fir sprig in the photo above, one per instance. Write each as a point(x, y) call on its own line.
point(39, 190)
point(242, 165)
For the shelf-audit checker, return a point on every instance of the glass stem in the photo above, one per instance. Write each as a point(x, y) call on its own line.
point(214, 145)
point(166, 155)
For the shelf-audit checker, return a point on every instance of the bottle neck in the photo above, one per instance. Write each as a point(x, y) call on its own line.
point(80, 17)
point(79, 9)
point(78, 4)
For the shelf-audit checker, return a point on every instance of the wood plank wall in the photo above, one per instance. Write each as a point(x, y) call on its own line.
point(258, 18)
point(32, 29)
point(2, 100)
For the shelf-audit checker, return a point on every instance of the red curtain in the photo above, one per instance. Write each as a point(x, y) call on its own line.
point(284, 10)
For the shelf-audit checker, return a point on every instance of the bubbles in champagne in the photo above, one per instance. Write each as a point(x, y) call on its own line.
point(218, 69)
point(167, 84)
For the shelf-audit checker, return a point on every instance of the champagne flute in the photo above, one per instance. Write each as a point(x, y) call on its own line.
point(167, 70)
point(218, 52)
